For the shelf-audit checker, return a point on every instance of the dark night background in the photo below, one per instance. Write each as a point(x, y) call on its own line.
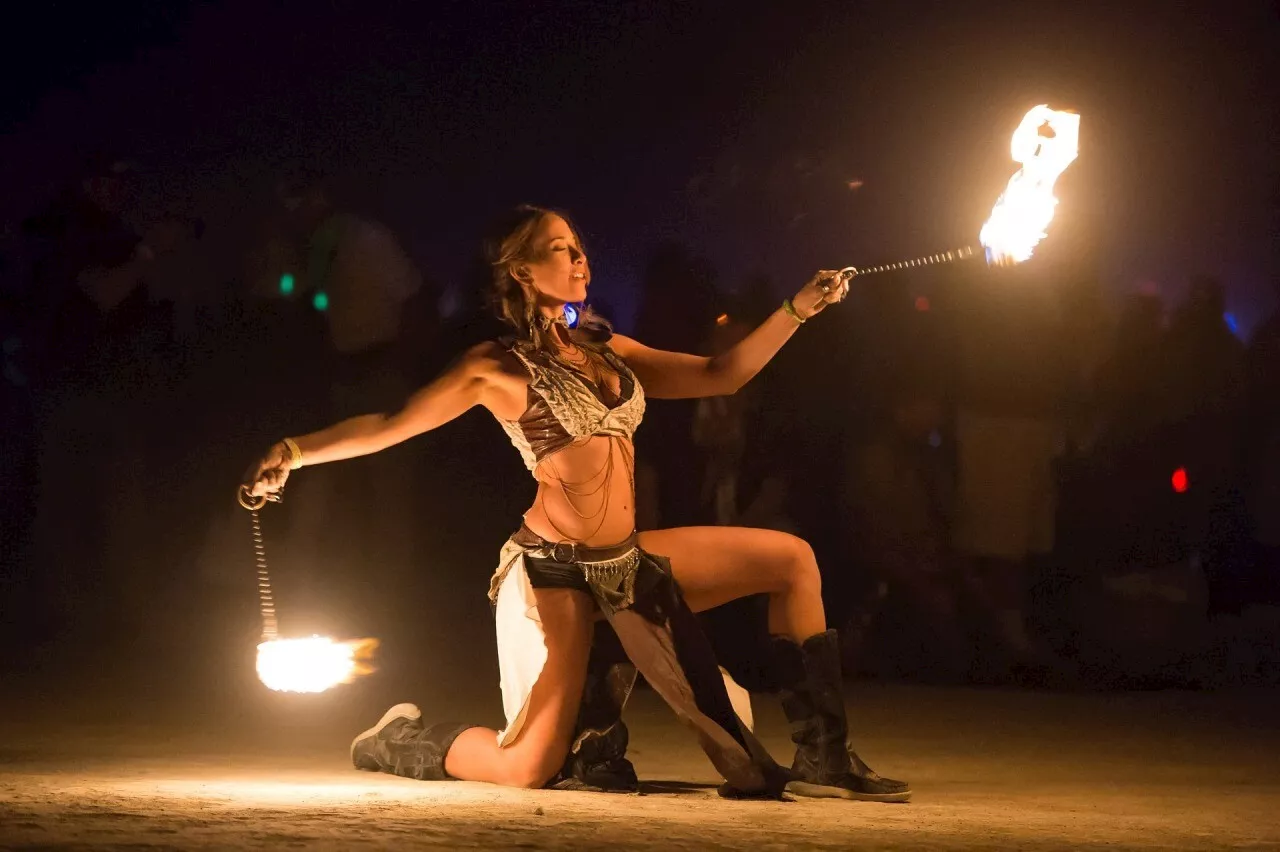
point(771, 140)
point(734, 127)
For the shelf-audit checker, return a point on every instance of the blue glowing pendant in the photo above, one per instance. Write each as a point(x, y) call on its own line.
point(571, 313)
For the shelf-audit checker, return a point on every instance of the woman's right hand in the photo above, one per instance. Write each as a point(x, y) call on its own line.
point(267, 476)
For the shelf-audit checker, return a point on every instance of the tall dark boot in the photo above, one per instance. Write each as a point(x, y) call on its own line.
point(401, 745)
point(825, 765)
point(598, 764)
point(597, 755)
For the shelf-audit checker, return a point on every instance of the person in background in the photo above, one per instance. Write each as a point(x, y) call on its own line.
point(93, 337)
point(900, 506)
point(356, 275)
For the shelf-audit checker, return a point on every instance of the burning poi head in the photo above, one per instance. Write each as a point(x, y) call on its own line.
point(298, 665)
point(312, 665)
point(1045, 143)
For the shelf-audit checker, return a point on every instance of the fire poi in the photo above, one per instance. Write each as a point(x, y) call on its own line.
point(309, 664)
point(1045, 143)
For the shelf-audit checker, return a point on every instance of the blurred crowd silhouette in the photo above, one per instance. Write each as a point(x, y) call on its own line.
point(1002, 482)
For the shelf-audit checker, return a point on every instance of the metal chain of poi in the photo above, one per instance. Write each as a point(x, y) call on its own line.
point(304, 664)
point(266, 601)
point(927, 260)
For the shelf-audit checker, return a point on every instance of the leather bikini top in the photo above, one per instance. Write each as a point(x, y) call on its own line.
point(564, 407)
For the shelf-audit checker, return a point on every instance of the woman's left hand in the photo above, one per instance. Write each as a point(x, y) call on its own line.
point(826, 288)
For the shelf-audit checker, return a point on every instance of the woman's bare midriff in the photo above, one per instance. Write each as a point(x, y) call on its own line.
point(599, 517)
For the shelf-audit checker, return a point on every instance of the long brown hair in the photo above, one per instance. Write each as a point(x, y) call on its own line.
point(514, 301)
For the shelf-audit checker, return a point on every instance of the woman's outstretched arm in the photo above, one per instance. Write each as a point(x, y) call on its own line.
point(450, 395)
point(676, 375)
point(466, 383)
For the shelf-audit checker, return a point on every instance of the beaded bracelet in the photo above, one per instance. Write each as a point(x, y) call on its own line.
point(295, 453)
point(792, 312)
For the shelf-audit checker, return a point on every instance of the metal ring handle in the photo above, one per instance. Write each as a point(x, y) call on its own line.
point(248, 501)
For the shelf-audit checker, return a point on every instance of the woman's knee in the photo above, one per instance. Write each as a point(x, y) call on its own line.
point(801, 566)
point(532, 771)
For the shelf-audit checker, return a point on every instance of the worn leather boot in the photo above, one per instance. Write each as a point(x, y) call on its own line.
point(825, 766)
point(400, 745)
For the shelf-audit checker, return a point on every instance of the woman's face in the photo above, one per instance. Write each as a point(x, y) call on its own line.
point(557, 266)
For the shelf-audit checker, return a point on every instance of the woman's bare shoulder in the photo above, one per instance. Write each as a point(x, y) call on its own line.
point(501, 374)
point(491, 355)
point(494, 362)
point(488, 351)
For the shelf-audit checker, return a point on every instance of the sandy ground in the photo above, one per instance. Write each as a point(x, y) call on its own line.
point(991, 769)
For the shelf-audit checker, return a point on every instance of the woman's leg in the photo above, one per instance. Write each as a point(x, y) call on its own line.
point(539, 750)
point(715, 565)
point(402, 745)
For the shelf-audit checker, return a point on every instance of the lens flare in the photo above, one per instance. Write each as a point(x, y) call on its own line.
point(1045, 143)
point(313, 664)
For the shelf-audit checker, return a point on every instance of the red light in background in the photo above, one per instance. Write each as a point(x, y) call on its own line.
point(922, 303)
point(1179, 480)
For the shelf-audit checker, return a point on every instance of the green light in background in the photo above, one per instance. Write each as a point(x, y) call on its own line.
point(286, 283)
point(320, 301)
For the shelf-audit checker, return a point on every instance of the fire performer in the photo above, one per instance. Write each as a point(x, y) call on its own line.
point(570, 394)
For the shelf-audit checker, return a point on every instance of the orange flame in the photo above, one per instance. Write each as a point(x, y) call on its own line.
point(314, 664)
point(1045, 143)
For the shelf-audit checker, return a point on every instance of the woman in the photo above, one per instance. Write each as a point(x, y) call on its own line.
point(570, 400)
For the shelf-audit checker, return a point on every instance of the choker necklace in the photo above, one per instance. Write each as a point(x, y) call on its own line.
point(567, 318)
point(545, 322)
